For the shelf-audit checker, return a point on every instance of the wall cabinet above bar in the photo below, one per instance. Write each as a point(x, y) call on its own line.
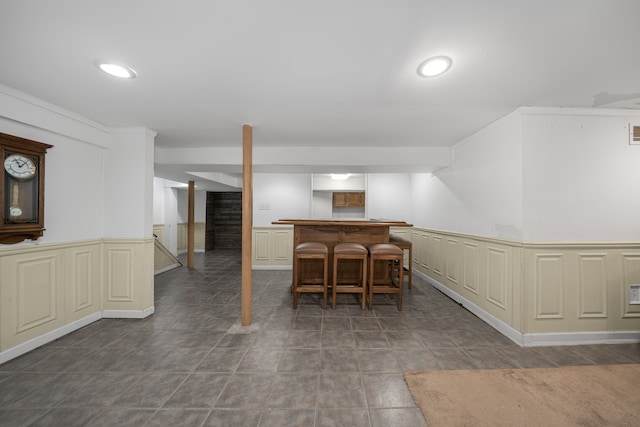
point(348, 199)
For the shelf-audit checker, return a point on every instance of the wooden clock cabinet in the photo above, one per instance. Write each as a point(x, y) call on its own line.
point(21, 189)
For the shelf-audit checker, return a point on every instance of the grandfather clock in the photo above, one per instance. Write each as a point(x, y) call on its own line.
point(21, 189)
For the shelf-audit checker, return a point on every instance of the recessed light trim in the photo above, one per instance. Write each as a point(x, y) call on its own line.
point(115, 70)
point(434, 66)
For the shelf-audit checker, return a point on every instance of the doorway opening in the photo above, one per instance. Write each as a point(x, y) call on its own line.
point(223, 229)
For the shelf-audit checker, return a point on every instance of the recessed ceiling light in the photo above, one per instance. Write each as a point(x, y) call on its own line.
point(434, 66)
point(115, 69)
point(340, 176)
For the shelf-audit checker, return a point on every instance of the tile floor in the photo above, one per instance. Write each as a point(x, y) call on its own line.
point(190, 364)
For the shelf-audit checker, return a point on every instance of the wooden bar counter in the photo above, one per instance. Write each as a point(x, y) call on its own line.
point(333, 231)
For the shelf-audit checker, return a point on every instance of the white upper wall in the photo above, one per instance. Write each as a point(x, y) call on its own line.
point(539, 175)
point(74, 183)
point(74, 196)
point(324, 182)
point(128, 198)
point(278, 196)
point(581, 176)
point(158, 201)
point(199, 205)
point(481, 193)
point(80, 202)
point(74, 180)
point(389, 196)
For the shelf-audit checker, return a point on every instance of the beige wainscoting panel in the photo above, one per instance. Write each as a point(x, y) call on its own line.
point(147, 299)
point(83, 284)
point(81, 292)
point(283, 240)
point(38, 292)
point(49, 290)
point(261, 245)
point(541, 292)
point(272, 246)
point(451, 260)
point(548, 285)
point(129, 275)
point(592, 285)
point(199, 229)
point(120, 274)
point(158, 230)
point(419, 246)
point(425, 242)
point(480, 271)
point(497, 276)
point(403, 233)
point(32, 295)
point(471, 263)
point(630, 276)
point(437, 256)
point(518, 289)
point(182, 237)
point(199, 235)
point(581, 287)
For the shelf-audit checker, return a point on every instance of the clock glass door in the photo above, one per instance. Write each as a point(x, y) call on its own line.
point(21, 191)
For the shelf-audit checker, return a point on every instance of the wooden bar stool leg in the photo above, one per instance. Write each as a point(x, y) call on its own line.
point(325, 282)
point(294, 273)
point(363, 296)
point(294, 285)
point(370, 281)
point(400, 283)
point(410, 265)
point(334, 287)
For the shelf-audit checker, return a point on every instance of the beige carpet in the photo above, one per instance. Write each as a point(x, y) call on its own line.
point(603, 395)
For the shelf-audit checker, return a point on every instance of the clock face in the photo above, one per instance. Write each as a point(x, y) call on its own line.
point(19, 166)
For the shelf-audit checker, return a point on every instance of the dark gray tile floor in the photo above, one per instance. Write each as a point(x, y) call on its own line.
point(191, 364)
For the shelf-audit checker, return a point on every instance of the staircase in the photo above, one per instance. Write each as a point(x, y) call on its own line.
point(163, 259)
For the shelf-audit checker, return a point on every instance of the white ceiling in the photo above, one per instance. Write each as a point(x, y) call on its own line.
point(324, 73)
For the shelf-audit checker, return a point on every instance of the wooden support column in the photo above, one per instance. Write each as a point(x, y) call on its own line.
point(191, 226)
point(247, 220)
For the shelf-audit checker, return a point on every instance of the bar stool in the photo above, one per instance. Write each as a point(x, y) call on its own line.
point(404, 245)
point(355, 285)
point(309, 251)
point(390, 280)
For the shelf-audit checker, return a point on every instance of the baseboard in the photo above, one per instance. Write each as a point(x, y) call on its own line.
point(540, 339)
point(186, 251)
point(128, 314)
point(167, 268)
point(581, 338)
point(48, 337)
point(271, 267)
